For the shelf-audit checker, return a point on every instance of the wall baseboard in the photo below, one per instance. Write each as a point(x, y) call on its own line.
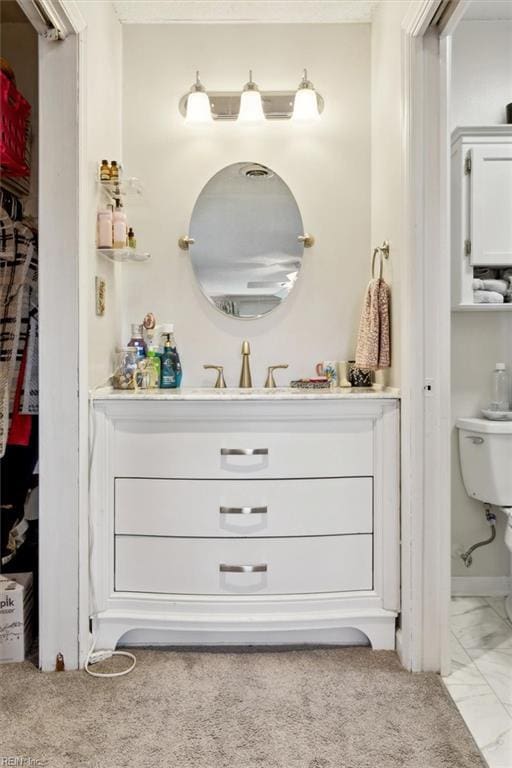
point(481, 586)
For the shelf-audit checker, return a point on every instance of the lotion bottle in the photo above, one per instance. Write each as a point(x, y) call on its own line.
point(119, 220)
point(105, 228)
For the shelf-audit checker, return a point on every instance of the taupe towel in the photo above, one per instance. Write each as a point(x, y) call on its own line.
point(373, 340)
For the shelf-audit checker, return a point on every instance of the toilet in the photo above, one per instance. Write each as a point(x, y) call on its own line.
point(485, 449)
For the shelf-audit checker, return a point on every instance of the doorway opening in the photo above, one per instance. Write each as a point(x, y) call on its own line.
point(19, 336)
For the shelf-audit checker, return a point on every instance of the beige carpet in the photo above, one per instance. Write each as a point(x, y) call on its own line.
point(339, 708)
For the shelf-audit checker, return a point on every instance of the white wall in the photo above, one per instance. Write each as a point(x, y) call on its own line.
point(482, 72)
point(481, 86)
point(103, 75)
point(386, 142)
point(326, 165)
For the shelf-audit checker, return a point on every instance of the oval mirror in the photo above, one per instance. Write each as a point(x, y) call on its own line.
point(245, 227)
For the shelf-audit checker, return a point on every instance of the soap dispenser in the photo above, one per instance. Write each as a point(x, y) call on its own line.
point(167, 372)
point(170, 370)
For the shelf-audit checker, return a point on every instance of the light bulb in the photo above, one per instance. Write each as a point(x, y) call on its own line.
point(198, 104)
point(251, 108)
point(305, 105)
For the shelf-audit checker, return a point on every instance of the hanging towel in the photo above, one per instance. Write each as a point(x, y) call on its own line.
point(373, 340)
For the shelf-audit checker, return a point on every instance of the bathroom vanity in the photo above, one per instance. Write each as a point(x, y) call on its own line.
point(245, 517)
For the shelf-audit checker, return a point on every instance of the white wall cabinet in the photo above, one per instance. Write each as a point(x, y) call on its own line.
point(294, 540)
point(481, 183)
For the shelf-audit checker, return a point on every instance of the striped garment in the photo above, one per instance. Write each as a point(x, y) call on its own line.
point(18, 295)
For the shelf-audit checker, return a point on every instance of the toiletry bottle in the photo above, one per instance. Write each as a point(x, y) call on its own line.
point(167, 370)
point(104, 171)
point(119, 225)
point(137, 341)
point(132, 242)
point(154, 366)
point(105, 228)
point(177, 362)
point(114, 171)
point(500, 393)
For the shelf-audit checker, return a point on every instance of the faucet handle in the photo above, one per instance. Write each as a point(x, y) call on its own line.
point(270, 382)
point(220, 383)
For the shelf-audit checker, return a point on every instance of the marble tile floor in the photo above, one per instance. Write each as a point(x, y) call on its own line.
point(480, 682)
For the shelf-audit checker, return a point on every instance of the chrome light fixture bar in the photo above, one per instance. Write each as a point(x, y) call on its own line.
point(277, 105)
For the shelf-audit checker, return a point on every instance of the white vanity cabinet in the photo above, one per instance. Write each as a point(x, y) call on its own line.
point(481, 220)
point(252, 520)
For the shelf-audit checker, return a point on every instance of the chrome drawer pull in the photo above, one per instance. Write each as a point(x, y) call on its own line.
point(243, 510)
point(260, 568)
point(244, 451)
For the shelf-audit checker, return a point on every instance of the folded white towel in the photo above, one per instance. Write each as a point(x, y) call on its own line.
point(498, 286)
point(487, 297)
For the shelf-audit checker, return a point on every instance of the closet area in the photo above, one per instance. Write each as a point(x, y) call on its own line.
point(19, 333)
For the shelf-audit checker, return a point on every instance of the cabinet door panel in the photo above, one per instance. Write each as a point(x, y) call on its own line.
point(490, 212)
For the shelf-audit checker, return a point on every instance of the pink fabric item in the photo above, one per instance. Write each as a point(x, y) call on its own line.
point(373, 350)
point(21, 424)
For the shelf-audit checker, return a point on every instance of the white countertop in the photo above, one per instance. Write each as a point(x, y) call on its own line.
point(235, 393)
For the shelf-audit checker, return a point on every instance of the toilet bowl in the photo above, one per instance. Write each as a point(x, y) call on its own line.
point(485, 449)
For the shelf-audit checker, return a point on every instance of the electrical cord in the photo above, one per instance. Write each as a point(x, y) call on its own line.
point(93, 656)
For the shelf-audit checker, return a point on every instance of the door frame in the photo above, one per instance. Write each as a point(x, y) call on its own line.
point(426, 331)
point(62, 328)
point(423, 636)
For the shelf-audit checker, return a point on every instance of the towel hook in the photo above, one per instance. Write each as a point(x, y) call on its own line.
point(383, 251)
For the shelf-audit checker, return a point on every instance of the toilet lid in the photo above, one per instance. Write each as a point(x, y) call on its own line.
point(485, 426)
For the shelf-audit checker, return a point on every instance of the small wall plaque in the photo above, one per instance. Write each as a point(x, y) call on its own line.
point(101, 289)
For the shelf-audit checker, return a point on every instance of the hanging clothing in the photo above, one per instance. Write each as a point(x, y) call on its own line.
point(374, 338)
point(21, 424)
point(11, 204)
point(30, 386)
point(18, 293)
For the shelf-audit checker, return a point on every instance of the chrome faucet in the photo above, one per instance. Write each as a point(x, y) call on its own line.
point(245, 374)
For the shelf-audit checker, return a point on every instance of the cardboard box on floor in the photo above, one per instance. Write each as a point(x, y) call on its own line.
point(16, 605)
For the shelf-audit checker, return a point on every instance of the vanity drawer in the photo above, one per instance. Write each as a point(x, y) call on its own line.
point(243, 566)
point(243, 507)
point(309, 448)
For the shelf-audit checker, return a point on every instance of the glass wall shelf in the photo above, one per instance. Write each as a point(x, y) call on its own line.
point(124, 254)
point(113, 190)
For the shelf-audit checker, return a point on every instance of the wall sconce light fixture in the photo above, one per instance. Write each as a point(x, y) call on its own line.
point(252, 105)
point(251, 108)
point(198, 104)
point(305, 105)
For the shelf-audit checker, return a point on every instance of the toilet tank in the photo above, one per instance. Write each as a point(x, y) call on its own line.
point(485, 449)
